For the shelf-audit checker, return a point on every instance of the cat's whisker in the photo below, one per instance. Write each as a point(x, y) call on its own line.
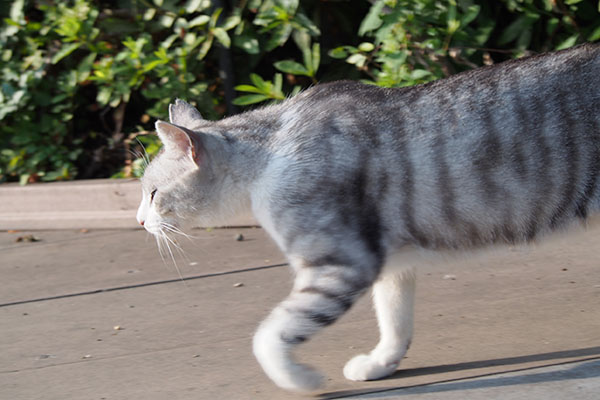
point(160, 248)
point(168, 241)
point(145, 156)
point(178, 248)
point(139, 155)
point(173, 229)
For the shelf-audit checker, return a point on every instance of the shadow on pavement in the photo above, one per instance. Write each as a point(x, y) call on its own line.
point(590, 368)
point(555, 355)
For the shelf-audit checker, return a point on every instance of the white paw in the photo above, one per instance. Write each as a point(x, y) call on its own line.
point(299, 378)
point(366, 367)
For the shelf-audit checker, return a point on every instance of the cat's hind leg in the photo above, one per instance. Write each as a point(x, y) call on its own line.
point(393, 298)
point(321, 294)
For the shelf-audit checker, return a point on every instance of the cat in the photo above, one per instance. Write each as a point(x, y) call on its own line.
point(352, 180)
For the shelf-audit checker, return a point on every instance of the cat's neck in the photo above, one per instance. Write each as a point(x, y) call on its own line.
point(243, 161)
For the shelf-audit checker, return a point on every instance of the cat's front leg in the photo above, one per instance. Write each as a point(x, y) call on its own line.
point(393, 297)
point(321, 294)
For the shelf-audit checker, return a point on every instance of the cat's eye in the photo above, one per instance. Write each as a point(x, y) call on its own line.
point(152, 194)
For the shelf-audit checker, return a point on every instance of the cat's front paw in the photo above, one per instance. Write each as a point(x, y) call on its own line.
point(365, 367)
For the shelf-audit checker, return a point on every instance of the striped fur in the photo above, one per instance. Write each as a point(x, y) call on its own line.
point(349, 179)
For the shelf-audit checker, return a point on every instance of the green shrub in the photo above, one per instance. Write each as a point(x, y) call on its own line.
point(82, 79)
point(411, 42)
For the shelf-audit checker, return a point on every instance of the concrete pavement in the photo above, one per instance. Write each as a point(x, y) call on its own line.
point(91, 204)
point(97, 315)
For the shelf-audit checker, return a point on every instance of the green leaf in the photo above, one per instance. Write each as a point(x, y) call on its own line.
point(289, 6)
point(17, 10)
point(419, 74)
point(222, 37)
point(15, 161)
point(595, 35)
point(169, 41)
point(116, 101)
point(65, 51)
point(372, 21)
point(291, 67)
point(248, 88)
point(214, 18)
point(451, 22)
point(231, 22)
point(150, 66)
point(357, 59)
point(366, 47)
point(316, 58)
point(260, 83)
point(280, 35)
point(199, 20)
point(192, 6)
point(517, 28)
point(569, 42)
point(23, 179)
point(307, 24)
point(86, 65)
point(302, 40)
point(104, 94)
point(9, 21)
point(278, 83)
point(206, 45)
point(551, 25)
point(167, 20)
point(339, 52)
point(250, 99)
point(247, 43)
point(453, 26)
point(470, 15)
point(149, 14)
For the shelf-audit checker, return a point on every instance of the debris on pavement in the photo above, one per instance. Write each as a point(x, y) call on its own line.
point(28, 238)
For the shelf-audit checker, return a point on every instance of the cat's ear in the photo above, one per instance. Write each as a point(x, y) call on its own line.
point(179, 142)
point(183, 114)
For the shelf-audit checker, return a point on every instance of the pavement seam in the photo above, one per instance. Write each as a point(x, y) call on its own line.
point(139, 285)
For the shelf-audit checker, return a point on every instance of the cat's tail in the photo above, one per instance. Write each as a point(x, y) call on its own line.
point(320, 296)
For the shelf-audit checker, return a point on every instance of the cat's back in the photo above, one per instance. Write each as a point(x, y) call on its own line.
point(500, 153)
point(558, 69)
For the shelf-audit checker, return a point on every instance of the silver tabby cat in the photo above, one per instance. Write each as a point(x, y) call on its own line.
point(352, 181)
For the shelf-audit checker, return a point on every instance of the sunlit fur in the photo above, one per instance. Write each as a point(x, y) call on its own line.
point(358, 185)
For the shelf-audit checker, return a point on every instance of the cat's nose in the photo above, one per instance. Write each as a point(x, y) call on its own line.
point(142, 223)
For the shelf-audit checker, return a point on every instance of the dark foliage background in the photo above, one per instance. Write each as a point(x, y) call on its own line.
point(83, 81)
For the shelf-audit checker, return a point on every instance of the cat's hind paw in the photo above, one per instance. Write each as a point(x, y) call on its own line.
point(299, 378)
point(365, 367)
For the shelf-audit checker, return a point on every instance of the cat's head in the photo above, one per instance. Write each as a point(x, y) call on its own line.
point(182, 185)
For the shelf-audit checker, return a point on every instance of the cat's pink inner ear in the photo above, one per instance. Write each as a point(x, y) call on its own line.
point(177, 141)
